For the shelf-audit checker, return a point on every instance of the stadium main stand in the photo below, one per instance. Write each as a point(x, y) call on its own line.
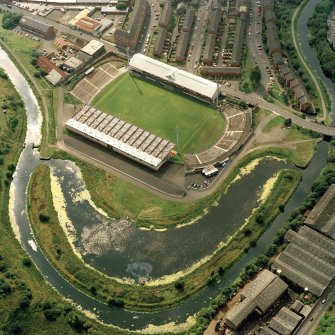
point(186, 82)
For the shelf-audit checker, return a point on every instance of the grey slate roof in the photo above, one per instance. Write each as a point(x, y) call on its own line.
point(182, 44)
point(209, 47)
point(160, 40)
point(188, 20)
point(166, 15)
point(221, 70)
point(277, 58)
point(238, 41)
point(214, 20)
point(285, 322)
point(35, 24)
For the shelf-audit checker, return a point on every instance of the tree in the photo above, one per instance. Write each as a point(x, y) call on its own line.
point(121, 6)
point(288, 122)
point(10, 20)
point(179, 285)
point(256, 75)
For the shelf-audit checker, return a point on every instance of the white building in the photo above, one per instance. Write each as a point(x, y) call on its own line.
point(189, 83)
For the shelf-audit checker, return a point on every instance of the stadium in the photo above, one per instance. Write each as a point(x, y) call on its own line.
point(142, 110)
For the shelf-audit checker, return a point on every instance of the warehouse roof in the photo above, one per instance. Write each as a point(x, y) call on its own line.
point(308, 260)
point(35, 24)
point(54, 77)
point(263, 292)
point(92, 47)
point(121, 135)
point(285, 321)
point(73, 62)
point(267, 331)
point(172, 74)
point(322, 216)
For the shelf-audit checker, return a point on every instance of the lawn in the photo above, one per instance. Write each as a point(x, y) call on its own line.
point(160, 111)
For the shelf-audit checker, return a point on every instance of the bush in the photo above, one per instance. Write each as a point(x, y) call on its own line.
point(26, 262)
point(10, 20)
point(43, 218)
point(179, 285)
point(116, 302)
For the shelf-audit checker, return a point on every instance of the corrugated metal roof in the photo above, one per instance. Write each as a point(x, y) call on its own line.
point(149, 148)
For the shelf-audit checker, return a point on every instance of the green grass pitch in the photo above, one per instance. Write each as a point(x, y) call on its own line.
point(160, 111)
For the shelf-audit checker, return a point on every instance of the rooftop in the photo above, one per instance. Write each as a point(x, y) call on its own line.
point(92, 47)
point(174, 75)
point(263, 292)
point(322, 216)
point(35, 24)
point(122, 136)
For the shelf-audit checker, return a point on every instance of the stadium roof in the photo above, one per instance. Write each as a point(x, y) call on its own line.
point(122, 136)
point(92, 47)
point(169, 73)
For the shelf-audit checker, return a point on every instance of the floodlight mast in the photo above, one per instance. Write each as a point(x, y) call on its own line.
point(127, 49)
point(177, 137)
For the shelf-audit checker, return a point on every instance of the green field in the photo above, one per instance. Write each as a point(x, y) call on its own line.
point(160, 111)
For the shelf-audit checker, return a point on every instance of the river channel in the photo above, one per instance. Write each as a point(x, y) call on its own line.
point(183, 246)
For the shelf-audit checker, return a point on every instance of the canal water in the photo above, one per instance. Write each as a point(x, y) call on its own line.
point(214, 220)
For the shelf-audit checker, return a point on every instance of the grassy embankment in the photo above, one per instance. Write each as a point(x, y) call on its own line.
point(53, 240)
point(27, 304)
point(23, 48)
point(299, 144)
point(317, 91)
point(247, 85)
point(160, 111)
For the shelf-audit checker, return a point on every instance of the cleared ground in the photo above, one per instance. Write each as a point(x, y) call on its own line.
point(160, 111)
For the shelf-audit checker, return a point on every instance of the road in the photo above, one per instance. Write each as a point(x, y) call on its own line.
point(307, 327)
point(285, 113)
point(198, 36)
point(258, 54)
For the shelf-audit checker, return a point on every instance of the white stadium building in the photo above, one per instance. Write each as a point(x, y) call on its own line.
point(186, 82)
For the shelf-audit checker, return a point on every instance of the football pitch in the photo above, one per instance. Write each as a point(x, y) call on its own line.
point(160, 111)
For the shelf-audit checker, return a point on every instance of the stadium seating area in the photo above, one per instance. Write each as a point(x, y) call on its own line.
point(89, 86)
point(237, 131)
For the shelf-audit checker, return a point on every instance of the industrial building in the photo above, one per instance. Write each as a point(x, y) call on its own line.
point(37, 27)
point(130, 38)
point(186, 82)
point(308, 261)
point(93, 48)
point(122, 137)
point(284, 323)
point(263, 292)
point(322, 216)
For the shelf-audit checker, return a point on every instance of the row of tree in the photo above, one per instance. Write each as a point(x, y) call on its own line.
point(318, 27)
